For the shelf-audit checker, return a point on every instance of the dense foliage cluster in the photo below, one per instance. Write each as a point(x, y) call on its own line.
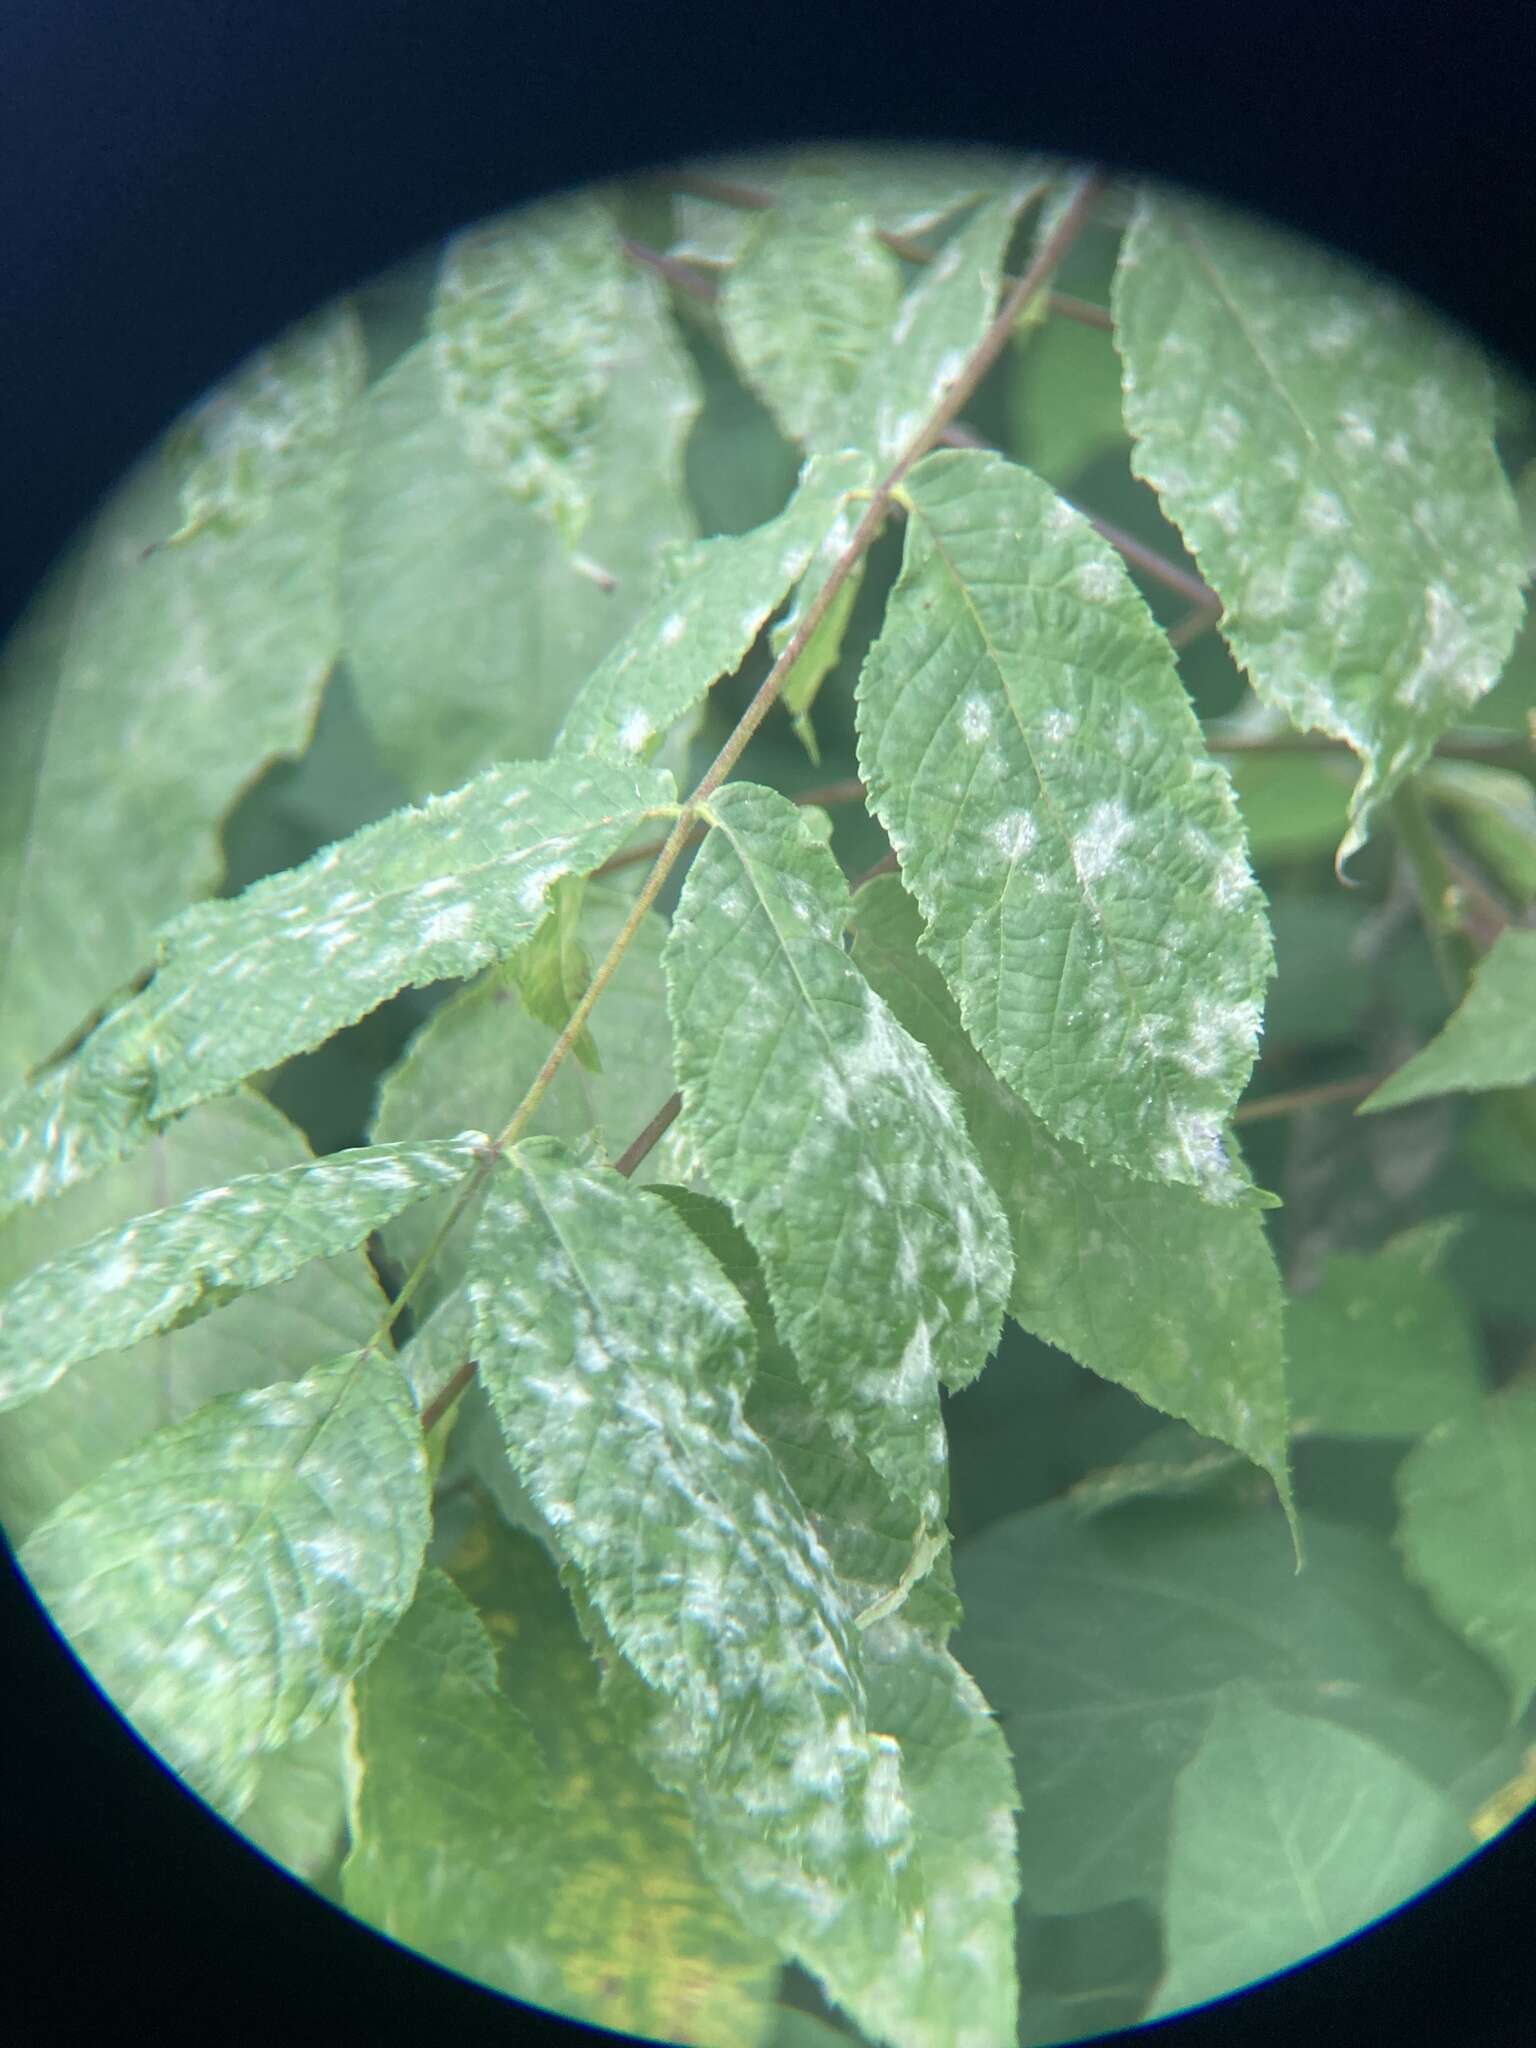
point(631, 856)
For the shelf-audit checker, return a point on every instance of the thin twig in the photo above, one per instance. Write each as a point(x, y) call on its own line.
point(1306, 1098)
point(753, 199)
point(848, 791)
point(654, 1131)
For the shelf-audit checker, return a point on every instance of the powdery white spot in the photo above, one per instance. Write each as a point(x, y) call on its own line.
point(1095, 847)
point(1397, 452)
point(1015, 835)
point(1333, 334)
point(634, 732)
point(1226, 512)
point(445, 926)
point(975, 720)
point(1096, 581)
point(1058, 726)
point(1223, 427)
point(945, 373)
point(1447, 646)
point(1059, 516)
point(1321, 512)
point(672, 629)
point(1355, 430)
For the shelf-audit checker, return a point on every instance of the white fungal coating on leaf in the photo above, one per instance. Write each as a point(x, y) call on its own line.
point(882, 1246)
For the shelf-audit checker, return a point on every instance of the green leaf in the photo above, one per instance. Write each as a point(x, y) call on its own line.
point(1103, 1642)
point(421, 896)
point(1325, 447)
point(872, 1534)
point(154, 686)
point(812, 295)
point(270, 428)
point(953, 1946)
point(225, 1581)
point(941, 320)
point(524, 322)
point(1489, 1042)
point(1288, 1835)
point(1383, 1346)
point(1467, 1531)
point(822, 651)
point(297, 1815)
point(63, 1438)
point(1146, 1285)
point(166, 1269)
point(616, 1357)
point(452, 1845)
point(1077, 856)
point(961, 1985)
point(884, 1249)
point(1494, 811)
point(446, 574)
point(642, 1940)
point(554, 971)
point(701, 626)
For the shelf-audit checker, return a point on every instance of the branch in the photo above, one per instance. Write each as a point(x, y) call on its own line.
point(1295, 1099)
point(751, 199)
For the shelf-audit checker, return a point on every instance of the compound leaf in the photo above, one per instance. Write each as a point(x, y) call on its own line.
point(1076, 854)
point(226, 1580)
point(419, 897)
point(1489, 1042)
point(1326, 449)
point(884, 1250)
point(166, 1269)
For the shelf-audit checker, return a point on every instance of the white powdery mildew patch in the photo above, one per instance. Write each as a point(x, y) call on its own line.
point(672, 629)
point(1222, 428)
point(1340, 326)
point(1015, 835)
point(1449, 659)
point(1356, 432)
point(1058, 727)
point(1098, 582)
point(449, 925)
point(1226, 511)
point(1322, 513)
point(975, 720)
point(635, 730)
point(1096, 848)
